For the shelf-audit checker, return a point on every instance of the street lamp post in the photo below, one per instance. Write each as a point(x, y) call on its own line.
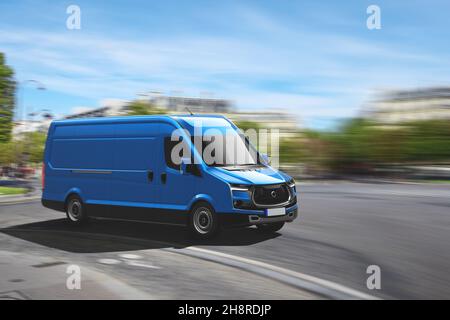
point(44, 113)
point(39, 86)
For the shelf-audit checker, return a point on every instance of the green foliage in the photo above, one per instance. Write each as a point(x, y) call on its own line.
point(139, 108)
point(30, 149)
point(12, 190)
point(34, 146)
point(7, 99)
point(291, 150)
point(360, 145)
point(7, 154)
point(428, 141)
point(245, 125)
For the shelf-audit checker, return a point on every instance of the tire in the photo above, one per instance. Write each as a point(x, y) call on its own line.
point(270, 227)
point(76, 211)
point(203, 221)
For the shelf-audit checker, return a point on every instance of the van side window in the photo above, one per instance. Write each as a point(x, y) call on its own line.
point(168, 146)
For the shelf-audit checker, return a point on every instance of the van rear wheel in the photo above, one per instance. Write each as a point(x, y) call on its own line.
point(76, 211)
point(203, 221)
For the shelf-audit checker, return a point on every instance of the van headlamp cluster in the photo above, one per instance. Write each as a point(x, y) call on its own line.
point(239, 187)
point(291, 183)
point(241, 196)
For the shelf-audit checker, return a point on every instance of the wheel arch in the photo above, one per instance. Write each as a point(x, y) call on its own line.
point(201, 198)
point(70, 193)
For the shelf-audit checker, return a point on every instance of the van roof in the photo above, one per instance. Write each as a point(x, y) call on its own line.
point(129, 119)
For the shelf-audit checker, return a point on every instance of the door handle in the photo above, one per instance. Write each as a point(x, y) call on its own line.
point(150, 175)
point(163, 177)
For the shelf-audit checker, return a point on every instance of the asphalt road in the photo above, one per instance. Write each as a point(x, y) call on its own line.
point(342, 229)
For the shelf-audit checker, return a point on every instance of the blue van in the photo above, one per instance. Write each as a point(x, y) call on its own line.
point(122, 168)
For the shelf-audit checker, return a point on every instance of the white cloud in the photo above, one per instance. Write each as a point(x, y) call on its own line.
point(325, 74)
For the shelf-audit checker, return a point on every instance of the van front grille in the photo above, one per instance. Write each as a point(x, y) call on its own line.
point(270, 195)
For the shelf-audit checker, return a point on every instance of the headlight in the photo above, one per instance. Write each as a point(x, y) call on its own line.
point(239, 187)
point(291, 183)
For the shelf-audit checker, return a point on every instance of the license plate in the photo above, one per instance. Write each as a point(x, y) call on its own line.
point(275, 212)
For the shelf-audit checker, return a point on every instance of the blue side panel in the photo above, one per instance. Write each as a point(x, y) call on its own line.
point(135, 152)
point(92, 153)
point(79, 158)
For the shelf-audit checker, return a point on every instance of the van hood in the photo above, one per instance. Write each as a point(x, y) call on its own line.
point(258, 175)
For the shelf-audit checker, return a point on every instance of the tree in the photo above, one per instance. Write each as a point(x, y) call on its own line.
point(428, 141)
point(359, 145)
point(35, 145)
point(292, 149)
point(140, 108)
point(245, 125)
point(7, 155)
point(7, 99)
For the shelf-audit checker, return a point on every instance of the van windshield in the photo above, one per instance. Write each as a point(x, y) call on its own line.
point(226, 149)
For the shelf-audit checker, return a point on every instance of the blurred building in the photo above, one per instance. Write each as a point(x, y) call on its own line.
point(283, 121)
point(91, 113)
point(109, 108)
point(196, 105)
point(21, 127)
point(399, 106)
point(25, 126)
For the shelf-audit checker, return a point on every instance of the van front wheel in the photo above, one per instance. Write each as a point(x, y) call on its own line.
point(203, 221)
point(76, 211)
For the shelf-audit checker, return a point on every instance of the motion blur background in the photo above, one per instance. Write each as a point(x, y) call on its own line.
point(348, 100)
point(351, 103)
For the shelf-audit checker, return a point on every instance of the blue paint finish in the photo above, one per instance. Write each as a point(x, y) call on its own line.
point(75, 191)
point(121, 162)
point(201, 198)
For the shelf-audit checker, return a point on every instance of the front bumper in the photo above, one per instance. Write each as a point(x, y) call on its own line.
point(257, 219)
point(253, 217)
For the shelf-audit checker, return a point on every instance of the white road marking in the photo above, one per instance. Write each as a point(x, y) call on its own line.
point(130, 256)
point(109, 261)
point(131, 260)
point(304, 281)
point(135, 263)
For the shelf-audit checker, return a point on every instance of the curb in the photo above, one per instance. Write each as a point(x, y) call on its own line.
point(379, 181)
point(18, 200)
point(301, 281)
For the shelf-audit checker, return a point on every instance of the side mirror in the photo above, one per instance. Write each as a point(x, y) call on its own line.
point(265, 158)
point(184, 164)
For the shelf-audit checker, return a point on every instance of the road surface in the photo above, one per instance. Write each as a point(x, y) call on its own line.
point(342, 229)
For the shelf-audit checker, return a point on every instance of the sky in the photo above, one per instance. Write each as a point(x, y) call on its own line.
point(314, 59)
